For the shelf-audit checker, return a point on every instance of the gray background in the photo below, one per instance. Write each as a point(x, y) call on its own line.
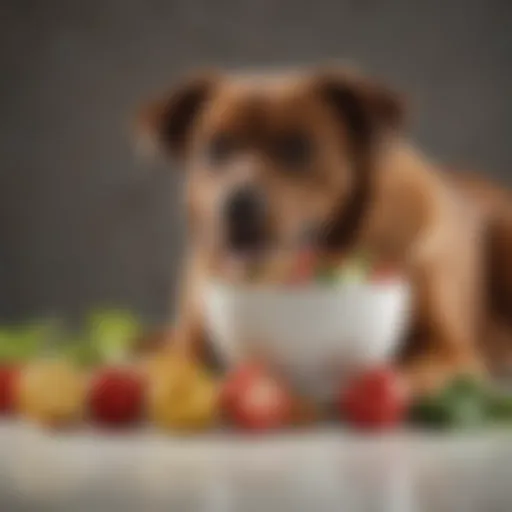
point(82, 221)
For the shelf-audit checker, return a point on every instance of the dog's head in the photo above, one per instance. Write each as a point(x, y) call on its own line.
point(276, 158)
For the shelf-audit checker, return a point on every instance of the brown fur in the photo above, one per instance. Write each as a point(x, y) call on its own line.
point(370, 189)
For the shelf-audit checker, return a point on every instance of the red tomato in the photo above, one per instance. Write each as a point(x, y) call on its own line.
point(116, 397)
point(8, 378)
point(304, 267)
point(255, 400)
point(375, 400)
point(384, 273)
point(237, 381)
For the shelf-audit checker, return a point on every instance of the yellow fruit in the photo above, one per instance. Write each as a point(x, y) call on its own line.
point(51, 392)
point(161, 361)
point(181, 395)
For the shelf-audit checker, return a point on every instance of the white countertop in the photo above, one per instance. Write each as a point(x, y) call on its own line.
point(322, 470)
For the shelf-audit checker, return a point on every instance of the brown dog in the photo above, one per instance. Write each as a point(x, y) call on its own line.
point(323, 152)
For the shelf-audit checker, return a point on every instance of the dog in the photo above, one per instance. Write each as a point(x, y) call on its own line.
point(271, 156)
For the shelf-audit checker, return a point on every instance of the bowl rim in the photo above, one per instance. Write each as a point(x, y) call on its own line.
point(310, 288)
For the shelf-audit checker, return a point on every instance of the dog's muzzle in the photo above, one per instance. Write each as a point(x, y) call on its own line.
point(245, 220)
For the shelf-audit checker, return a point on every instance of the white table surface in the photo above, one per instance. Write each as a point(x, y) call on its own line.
point(322, 470)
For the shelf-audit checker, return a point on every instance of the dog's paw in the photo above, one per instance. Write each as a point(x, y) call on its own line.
point(429, 374)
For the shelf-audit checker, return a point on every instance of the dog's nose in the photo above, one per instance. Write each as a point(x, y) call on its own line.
point(244, 205)
point(245, 218)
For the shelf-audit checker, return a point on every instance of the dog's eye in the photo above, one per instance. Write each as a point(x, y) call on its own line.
point(293, 150)
point(220, 148)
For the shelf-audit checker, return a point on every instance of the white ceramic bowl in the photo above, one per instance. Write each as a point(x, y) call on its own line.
point(314, 333)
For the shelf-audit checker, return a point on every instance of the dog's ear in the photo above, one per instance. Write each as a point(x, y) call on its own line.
point(165, 123)
point(367, 108)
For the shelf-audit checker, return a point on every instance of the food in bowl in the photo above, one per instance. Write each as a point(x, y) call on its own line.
point(303, 267)
point(338, 321)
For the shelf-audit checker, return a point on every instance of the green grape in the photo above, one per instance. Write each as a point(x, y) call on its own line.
point(431, 412)
point(352, 271)
point(499, 407)
point(467, 412)
point(462, 404)
point(47, 332)
point(364, 261)
point(5, 344)
point(113, 332)
point(5, 336)
point(466, 385)
point(20, 343)
point(326, 275)
point(444, 412)
point(83, 353)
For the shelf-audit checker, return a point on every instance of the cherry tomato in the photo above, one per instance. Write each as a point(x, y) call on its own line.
point(304, 268)
point(377, 399)
point(383, 274)
point(237, 381)
point(8, 378)
point(254, 400)
point(116, 397)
